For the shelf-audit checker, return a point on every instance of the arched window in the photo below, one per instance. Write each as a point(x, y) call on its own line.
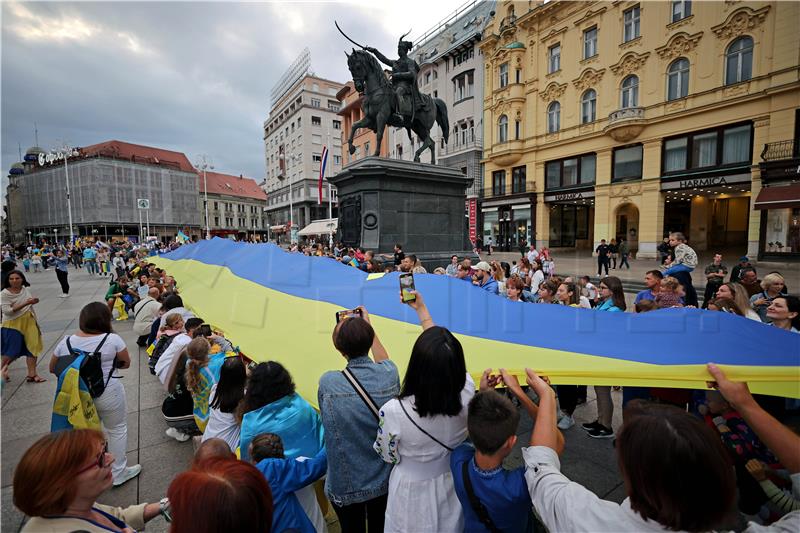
point(630, 92)
point(503, 128)
point(588, 106)
point(739, 61)
point(678, 79)
point(553, 117)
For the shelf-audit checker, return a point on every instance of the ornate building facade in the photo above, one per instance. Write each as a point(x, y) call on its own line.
point(632, 119)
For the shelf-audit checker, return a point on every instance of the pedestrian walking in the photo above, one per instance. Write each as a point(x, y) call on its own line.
point(603, 254)
point(624, 252)
point(61, 264)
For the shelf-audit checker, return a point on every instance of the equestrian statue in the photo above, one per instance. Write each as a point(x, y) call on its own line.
point(394, 102)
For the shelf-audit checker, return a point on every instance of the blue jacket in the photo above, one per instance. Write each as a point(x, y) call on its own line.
point(355, 473)
point(490, 285)
point(293, 419)
point(608, 305)
point(285, 477)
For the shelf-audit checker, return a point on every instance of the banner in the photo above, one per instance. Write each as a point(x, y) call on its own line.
point(281, 306)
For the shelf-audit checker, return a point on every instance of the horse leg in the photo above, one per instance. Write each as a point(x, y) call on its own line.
point(363, 123)
point(380, 123)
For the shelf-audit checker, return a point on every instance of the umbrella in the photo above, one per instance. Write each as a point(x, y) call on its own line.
point(43, 234)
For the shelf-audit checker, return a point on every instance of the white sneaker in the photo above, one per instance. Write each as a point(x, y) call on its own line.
point(177, 435)
point(64, 296)
point(566, 422)
point(128, 474)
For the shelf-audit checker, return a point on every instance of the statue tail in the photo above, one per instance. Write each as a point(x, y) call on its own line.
point(441, 118)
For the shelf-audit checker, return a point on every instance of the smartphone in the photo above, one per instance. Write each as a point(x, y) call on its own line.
point(406, 287)
point(348, 313)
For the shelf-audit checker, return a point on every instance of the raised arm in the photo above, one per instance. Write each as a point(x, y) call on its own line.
point(382, 58)
point(379, 352)
point(783, 442)
point(531, 408)
point(424, 315)
point(545, 432)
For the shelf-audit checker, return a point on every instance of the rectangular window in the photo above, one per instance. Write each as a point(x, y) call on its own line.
point(518, 76)
point(553, 175)
point(366, 149)
point(517, 180)
point(316, 158)
point(681, 9)
point(631, 24)
point(316, 121)
point(216, 221)
point(736, 145)
point(315, 102)
point(498, 183)
point(554, 58)
point(427, 78)
point(333, 105)
point(704, 150)
point(569, 176)
point(590, 43)
point(503, 74)
point(627, 163)
point(517, 127)
point(337, 124)
point(675, 154)
point(337, 160)
point(588, 168)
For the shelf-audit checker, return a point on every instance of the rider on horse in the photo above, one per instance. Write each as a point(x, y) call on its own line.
point(404, 81)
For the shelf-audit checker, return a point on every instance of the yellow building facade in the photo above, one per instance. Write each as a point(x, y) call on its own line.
point(631, 119)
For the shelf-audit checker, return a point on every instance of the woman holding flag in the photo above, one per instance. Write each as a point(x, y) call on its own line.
point(21, 334)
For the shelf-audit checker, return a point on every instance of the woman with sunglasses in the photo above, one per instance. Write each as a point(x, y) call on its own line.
point(612, 299)
point(59, 479)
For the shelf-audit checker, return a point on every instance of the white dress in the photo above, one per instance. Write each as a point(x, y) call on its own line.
point(422, 497)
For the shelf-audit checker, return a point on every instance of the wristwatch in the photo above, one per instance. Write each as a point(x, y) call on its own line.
point(164, 509)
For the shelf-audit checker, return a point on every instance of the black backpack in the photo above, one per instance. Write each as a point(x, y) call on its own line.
point(161, 346)
point(91, 369)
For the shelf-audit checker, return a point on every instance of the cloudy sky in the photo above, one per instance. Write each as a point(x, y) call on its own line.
point(188, 76)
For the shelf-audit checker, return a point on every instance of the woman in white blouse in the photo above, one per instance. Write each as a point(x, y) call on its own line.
point(418, 430)
point(677, 473)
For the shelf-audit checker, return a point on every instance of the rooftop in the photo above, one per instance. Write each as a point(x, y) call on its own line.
point(138, 153)
point(226, 184)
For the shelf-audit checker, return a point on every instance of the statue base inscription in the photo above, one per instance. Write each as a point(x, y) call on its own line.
point(383, 202)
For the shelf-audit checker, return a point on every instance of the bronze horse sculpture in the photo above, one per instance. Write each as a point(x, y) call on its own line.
point(380, 106)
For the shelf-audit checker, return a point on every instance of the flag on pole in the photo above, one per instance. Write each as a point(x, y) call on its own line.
point(322, 171)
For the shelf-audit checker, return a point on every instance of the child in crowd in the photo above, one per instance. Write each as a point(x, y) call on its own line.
point(224, 398)
point(589, 290)
point(684, 258)
point(285, 477)
point(493, 498)
point(26, 262)
point(669, 295)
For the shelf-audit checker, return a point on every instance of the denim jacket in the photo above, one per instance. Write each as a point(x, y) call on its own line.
point(355, 473)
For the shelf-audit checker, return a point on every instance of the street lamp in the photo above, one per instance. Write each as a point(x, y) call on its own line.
point(65, 152)
point(291, 207)
point(204, 162)
point(55, 233)
point(29, 237)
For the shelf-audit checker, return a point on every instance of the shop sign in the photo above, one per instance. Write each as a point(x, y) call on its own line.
point(569, 196)
point(472, 212)
point(697, 183)
point(57, 156)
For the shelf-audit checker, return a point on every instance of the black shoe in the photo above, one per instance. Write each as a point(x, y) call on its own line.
point(601, 433)
point(589, 426)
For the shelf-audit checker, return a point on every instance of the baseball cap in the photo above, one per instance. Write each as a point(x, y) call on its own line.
point(483, 265)
point(744, 258)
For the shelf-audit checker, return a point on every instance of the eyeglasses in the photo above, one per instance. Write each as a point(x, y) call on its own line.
point(99, 463)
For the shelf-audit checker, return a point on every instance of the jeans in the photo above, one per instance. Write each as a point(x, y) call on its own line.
point(113, 411)
point(62, 279)
point(91, 266)
point(605, 406)
point(674, 269)
point(623, 261)
point(363, 516)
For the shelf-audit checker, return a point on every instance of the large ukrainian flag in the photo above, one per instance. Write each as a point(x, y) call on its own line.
point(280, 306)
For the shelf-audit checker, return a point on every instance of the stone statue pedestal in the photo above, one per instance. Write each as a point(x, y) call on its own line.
point(383, 202)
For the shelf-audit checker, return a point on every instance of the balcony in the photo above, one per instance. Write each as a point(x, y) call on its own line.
point(507, 153)
point(780, 150)
point(626, 124)
point(451, 148)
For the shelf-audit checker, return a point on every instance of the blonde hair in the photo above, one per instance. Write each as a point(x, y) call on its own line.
point(498, 271)
point(670, 284)
point(172, 319)
point(740, 296)
point(770, 279)
point(196, 359)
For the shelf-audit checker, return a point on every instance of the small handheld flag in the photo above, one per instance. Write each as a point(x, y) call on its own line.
point(322, 171)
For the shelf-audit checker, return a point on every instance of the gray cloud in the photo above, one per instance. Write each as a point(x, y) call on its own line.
point(188, 76)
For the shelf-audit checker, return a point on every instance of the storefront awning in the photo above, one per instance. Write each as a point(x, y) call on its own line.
point(320, 227)
point(779, 197)
point(282, 227)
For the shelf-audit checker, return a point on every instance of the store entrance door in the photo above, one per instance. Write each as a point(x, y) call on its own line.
point(505, 236)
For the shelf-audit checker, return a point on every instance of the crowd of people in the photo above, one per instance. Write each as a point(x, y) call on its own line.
point(421, 453)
